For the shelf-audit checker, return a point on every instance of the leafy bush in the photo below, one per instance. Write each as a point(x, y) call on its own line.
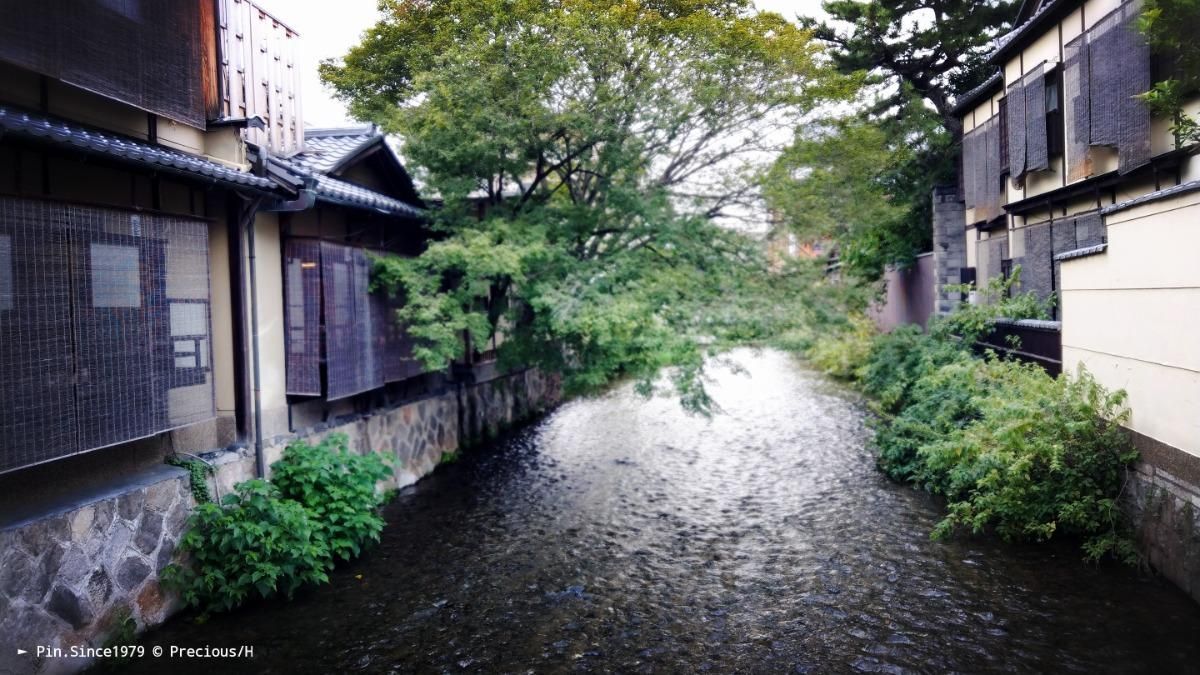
point(337, 487)
point(942, 403)
point(1045, 457)
point(255, 542)
point(1012, 449)
point(843, 353)
point(898, 359)
point(970, 321)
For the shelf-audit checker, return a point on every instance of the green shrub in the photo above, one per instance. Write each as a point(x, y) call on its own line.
point(843, 353)
point(338, 488)
point(898, 359)
point(996, 300)
point(942, 403)
point(255, 542)
point(1045, 457)
point(1013, 450)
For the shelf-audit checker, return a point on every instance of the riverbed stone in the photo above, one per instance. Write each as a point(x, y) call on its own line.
point(18, 568)
point(81, 522)
point(160, 496)
point(129, 505)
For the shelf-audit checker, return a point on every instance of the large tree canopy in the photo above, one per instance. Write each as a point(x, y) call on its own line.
point(603, 140)
point(864, 178)
point(933, 48)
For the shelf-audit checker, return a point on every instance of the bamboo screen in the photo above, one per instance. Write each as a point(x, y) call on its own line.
point(1037, 147)
point(982, 169)
point(327, 291)
point(104, 328)
point(1015, 130)
point(143, 52)
point(1105, 68)
point(302, 314)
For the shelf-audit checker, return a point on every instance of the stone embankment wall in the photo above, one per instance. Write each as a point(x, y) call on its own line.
point(1162, 498)
point(74, 577)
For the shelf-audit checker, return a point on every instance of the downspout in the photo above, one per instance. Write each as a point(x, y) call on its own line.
point(260, 468)
point(247, 228)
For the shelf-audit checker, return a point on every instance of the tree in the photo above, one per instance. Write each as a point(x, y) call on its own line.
point(858, 182)
point(934, 49)
point(884, 160)
point(605, 139)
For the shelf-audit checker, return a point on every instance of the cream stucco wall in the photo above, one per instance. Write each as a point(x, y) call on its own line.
point(1132, 316)
point(269, 265)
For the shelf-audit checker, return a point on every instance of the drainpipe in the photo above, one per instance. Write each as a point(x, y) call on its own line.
point(247, 229)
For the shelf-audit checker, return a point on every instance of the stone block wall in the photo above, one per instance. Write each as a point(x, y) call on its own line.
point(71, 578)
point(1162, 499)
point(949, 245)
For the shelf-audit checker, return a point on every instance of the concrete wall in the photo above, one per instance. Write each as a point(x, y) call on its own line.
point(909, 295)
point(69, 576)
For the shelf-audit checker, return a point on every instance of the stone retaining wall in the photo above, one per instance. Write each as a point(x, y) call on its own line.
point(1162, 499)
point(72, 578)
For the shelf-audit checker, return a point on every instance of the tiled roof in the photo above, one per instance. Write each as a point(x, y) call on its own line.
point(1182, 188)
point(325, 149)
point(977, 94)
point(1027, 29)
point(336, 191)
point(121, 148)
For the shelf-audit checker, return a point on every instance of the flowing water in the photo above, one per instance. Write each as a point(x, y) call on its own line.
point(623, 535)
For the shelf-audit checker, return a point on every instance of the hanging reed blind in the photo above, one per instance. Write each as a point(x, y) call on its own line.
point(1037, 148)
point(1015, 130)
point(1105, 68)
point(104, 328)
point(302, 315)
point(327, 291)
point(143, 52)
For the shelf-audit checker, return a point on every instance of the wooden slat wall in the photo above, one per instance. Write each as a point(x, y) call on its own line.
point(259, 74)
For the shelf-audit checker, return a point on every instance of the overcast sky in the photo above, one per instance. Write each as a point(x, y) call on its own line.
point(329, 30)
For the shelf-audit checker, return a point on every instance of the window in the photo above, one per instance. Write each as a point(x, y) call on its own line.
point(116, 276)
point(6, 273)
point(112, 340)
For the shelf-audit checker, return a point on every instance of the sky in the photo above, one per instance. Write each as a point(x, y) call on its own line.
point(329, 30)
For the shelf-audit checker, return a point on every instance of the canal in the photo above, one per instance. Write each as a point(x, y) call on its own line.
point(623, 535)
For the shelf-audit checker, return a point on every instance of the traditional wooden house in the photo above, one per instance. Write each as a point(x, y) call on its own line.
point(1066, 173)
point(184, 272)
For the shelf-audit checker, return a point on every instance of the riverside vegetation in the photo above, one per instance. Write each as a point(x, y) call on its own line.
point(1012, 449)
point(271, 538)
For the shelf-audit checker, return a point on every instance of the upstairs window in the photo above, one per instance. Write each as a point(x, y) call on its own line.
point(1032, 115)
point(1103, 71)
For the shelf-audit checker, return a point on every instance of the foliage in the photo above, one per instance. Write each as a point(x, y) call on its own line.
point(915, 47)
point(996, 300)
point(843, 355)
point(865, 184)
point(1170, 27)
point(1012, 449)
point(864, 179)
point(337, 488)
point(255, 542)
point(607, 144)
point(198, 473)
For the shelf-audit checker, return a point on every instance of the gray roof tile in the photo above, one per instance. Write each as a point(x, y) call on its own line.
point(337, 191)
point(122, 148)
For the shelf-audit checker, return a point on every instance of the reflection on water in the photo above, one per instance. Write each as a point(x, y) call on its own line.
point(622, 535)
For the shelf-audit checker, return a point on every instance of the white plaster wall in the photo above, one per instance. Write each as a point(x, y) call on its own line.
point(1131, 316)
